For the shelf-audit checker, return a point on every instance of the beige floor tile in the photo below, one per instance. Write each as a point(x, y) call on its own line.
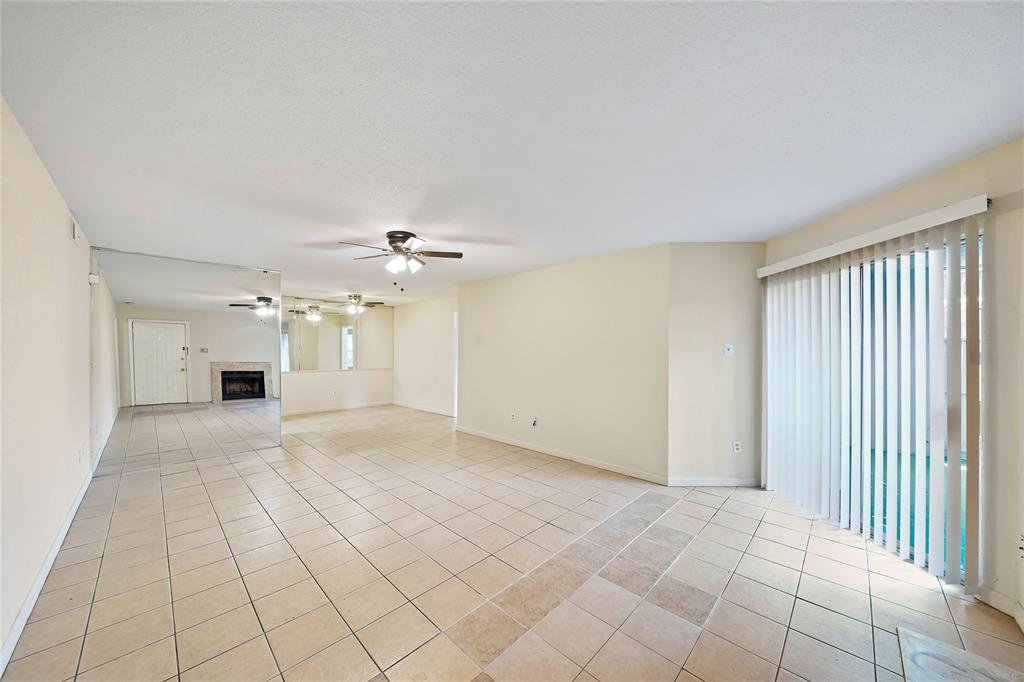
point(284, 605)
point(993, 648)
point(700, 574)
point(149, 664)
point(531, 659)
point(775, 575)
point(273, 578)
point(889, 616)
point(373, 539)
point(578, 635)
point(48, 632)
point(62, 600)
point(344, 661)
point(661, 631)
point(815, 660)
point(331, 556)
point(448, 602)
point(368, 603)
point(492, 538)
point(927, 601)
point(250, 661)
point(489, 576)
point(713, 553)
point(459, 555)
point(111, 583)
point(761, 599)
point(838, 552)
point(263, 557)
point(753, 632)
point(304, 636)
point(551, 538)
point(72, 575)
point(215, 636)
point(683, 600)
point(833, 628)
point(125, 637)
point(590, 556)
point(836, 597)
point(523, 555)
point(127, 604)
point(391, 637)
point(438, 659)
point(200, 556)
point(837, 572)
point(485, 633)
point(210, 603)
point(394, 556)
point(418, 577)
point(983, 618)
point(606, 600)
point(714, 659)
point(527, 601)
point(49, 665)
point(203, 578)
point(776, 552)
point(630, 575)
point(340, 581)
point(623, 659)
point(887, 650)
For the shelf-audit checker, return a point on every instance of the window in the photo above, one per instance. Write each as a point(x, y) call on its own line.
point(284, 351)
point(348, 347)
point(872, 393)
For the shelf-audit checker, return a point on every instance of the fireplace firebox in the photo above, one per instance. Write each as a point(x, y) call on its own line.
point(242, 385)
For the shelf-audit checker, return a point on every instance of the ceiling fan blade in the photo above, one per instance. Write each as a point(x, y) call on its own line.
point(379, 255)
point(413, 243)
point(439, 254)
point(241, 305)
point(365, 246)
point(373, 303)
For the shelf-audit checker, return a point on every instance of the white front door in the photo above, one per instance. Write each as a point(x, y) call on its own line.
point(160, 362)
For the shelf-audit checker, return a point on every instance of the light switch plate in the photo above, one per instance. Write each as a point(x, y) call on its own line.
point(727, 350)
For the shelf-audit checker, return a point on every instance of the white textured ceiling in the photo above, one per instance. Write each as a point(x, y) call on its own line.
point(172, 283)
point(522, 134)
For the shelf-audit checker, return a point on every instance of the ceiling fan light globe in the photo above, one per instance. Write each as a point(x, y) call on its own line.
point(351, 309)
point(396, 264)
point(313, 317)
point(415, 264)
point(360, 309)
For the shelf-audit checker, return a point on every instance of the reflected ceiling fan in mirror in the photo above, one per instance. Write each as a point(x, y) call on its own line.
point(264, 306)
point(404, 250)
point(356, 304)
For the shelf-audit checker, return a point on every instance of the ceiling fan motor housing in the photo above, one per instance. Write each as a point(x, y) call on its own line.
point(396, 238)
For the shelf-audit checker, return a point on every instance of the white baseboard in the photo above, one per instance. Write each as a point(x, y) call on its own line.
point(596, 463)
point(716, 481)
point(26, 608)
point(1001, 602)
point(334, 408)
point(420, 408)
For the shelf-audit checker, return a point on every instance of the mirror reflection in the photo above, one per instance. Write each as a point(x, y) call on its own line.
point(199, 341)
point(346, 334)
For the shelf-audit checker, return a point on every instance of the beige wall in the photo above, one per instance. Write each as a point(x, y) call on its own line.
point(584, 347)
point(714, 399)
point(325, 390)
point(999, 173)
point(425, 355)
point(104, 389)
point(375, 338)
point(45, 404)
point(230, 336)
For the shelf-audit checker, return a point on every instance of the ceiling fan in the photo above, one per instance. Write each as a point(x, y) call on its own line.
point(264, 306)
point(404, 250)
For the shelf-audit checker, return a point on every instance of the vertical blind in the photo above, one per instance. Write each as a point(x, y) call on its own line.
point(872, 401)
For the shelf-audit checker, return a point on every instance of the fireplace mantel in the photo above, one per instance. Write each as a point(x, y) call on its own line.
point(217, 367)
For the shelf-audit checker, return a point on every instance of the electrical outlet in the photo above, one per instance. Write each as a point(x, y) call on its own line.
point(736, 447)
point(513, 416)
point(534, 422)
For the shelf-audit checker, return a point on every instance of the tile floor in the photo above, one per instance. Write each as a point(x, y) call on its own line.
point(381, 540)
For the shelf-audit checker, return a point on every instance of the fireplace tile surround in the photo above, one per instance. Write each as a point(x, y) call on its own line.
point(216, 368)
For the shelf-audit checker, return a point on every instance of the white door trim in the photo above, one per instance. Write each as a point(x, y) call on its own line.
point(131, 356)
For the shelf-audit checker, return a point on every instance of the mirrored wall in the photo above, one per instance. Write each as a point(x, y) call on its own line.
point(324, 335)
point(199, 344)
